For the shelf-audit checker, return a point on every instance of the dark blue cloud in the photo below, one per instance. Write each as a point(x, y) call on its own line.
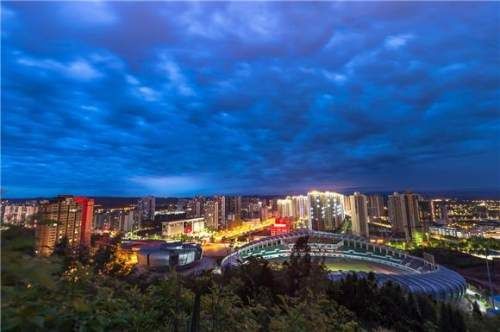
point(110, 98)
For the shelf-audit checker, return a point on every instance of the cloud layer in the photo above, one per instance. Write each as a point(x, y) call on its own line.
point(199, 98)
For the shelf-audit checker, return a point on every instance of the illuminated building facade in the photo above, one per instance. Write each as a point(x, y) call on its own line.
point(46, 238)
point(425, 208)
point(296, 207)
point(347, 205)
point(119, 220)
point(179, 227)
point(251, 209)
point(285, 208)
point(127, 221)
point(375, 207)
point(451, 232)
point(233, 210)
point(146, 208)
point(326, 210)
point(160, 254)
point(211, 214)
point(300, 207)
point(19, 214)
point(446, 211)
point(281, 226)
point(65, 217)
point(86, 215)
point(359, 214)
point(222, 212)
point(443, 209)
point(404, 214)
point(397, 214)
point(440, 208)
point(426, 215)
point(264, 212)
point(195, 207)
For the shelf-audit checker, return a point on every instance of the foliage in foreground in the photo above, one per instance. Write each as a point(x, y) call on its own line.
point(84, 294)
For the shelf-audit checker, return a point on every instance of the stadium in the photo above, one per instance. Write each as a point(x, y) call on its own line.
point(160, 254)
point(345, 254)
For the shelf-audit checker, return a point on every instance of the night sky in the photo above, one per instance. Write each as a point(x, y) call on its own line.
point(188, 98)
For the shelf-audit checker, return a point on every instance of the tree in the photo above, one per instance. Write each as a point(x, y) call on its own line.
point(83, 255)
point(476, 312)
point(252, 297)
point(62, 248)
point(102, 257)
point(199, 286)
point(299, 267)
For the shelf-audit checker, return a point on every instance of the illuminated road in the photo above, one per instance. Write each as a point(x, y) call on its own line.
point(133, 234)
point(380, 224)
point(215, 249)
point(245, 228)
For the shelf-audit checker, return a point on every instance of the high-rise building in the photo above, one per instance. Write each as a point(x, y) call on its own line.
point(285, 208)
point(195, 207)
point(233, 206)
point(425, 210)
point(264, 212)
point(65, 217)
point(440, 211)
point(300, 207)
point(273, 206)
point(397, 214)
point(87, 214)
point(127, 221)
point(444, 214)
point(252, 210)
point(211, 215)
point(99, 219)
point(146, 208)
point(232, 210)
point(114, 220)
point(375, 207)
point(222, 213)
point(347, 205)
point(118, 220)
point(296, 207)
point(19, 214)
point(404, 214)
point(359, 214)
point(238, 207)
point(46, 237)
point(198, 209)
point(326, 210)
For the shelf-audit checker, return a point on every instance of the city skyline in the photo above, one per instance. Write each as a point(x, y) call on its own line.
point(250, 165)
point(183, 99)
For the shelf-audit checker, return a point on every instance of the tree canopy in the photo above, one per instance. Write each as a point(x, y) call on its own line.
point(93, 294)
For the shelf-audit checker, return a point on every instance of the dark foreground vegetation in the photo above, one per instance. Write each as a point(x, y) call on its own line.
point(96, 293)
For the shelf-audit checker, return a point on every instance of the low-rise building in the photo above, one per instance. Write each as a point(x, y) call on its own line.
point(160, 254)
point(180, 227)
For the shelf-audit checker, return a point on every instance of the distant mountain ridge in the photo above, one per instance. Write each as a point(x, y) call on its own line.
point(117, 201)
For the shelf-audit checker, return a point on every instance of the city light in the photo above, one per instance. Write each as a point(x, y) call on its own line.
point(250, 166)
